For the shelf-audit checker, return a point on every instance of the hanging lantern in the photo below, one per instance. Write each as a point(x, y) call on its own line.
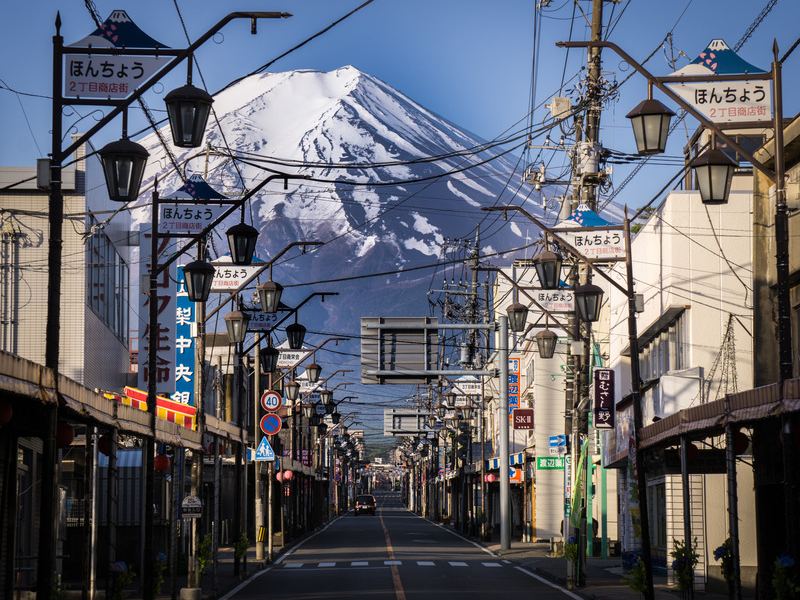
point(269, 359)
point(104, 444)
point(466, 412)
point(740, 442)
point(491, 478)
point(441, 411)
point(589, 298)
point(242, 240)
point(450, 399)
point(123, 167)
point(517, 315)
point(546, 341)
point(296, 334)
point(65, 433)
point(312, 372)
point(650, 121)
point(713, 170)
point(292, 390)
point(322, 429)
point(279, 475)
point(326, 397)
point(335, 417)
point(236, 322)
point(288, 475)
point(309, 409)
point(330, 409)
point(269, 294)
point(692, 452)
point(6, 411)
point(161, 463)
point(548, 269)
point(199, 275)
point(188, 108)
point(431, 421)
point(314, 420)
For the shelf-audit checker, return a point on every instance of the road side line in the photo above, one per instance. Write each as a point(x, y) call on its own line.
point(458, 535)
point(564, 591)
point(284, 556)
point(399, 592)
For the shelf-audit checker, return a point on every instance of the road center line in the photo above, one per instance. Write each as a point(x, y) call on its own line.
point(399, 592)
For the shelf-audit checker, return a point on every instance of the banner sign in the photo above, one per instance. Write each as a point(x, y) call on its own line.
point(288, 358)
point(513, 384)
point(604, 244)
point(184, 344)
point(186, 220)
point(555, 300)
point(229, 277)
point(523, 418)
point(164, 337)
point(728, 101)
point(467, 385)
point(261, 321)
point(604, 399)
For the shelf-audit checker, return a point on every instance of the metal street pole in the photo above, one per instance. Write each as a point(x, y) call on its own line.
point(259, 502)
point(505, 533)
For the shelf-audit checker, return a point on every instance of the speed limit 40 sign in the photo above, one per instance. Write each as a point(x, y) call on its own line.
point(271, 401)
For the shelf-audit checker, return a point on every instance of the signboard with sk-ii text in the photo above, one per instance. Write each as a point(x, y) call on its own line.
point(112, 75)
point(163, 338)
point(513, 383)
point(184, 344)
point(724, 101)
point(604, 399)
point(523, 418)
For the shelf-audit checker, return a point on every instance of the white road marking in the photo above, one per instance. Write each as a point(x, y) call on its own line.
point(548, 583)
point(390, 563)
point(425, 563)
point(491, 564)
point(508, 562)
point(294, 565)
point(456, 563)
point(327, 564)
point(458, 535)
point(359, 563)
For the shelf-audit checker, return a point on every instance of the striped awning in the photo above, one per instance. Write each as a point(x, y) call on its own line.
point(517, 458)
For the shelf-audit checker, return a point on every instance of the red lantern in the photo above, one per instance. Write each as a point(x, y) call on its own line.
point(491, 478)
point(279, 475)
point(6, 412)
point(161, 463)
point(288, 475)
point(740, 442)
point(104, 444)
point(65, 433)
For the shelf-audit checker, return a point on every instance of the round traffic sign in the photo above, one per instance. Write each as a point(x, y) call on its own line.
point(271, 401)
point(270, 424)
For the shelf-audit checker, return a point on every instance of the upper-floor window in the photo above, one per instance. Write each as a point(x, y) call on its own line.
point(107, 282)
point(666, 351)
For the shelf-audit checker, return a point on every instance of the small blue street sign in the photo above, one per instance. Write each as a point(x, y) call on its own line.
point(265, 451)
point(557, 441)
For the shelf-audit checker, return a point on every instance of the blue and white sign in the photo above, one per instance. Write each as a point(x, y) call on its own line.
point(265, 451)
point(558, 444)
point(184, 344)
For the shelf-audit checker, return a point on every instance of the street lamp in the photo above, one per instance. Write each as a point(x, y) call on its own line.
point(236, 322)
point(322, 429)
point(198, 275)
point(292, 390)
point(123, 167)
point(546, 341)
point(588, 298)
point(441, 411)
point(326, 396)
point(188, 108)
point(269, 358)
point(312, 372)
point(269, 294)
point(296, 333)
point(242, 240)
point(714, 172)
point(431, 421)
point(335, 416)
point(309, 409)
point(650, 121)
point(548, 269)
point(517, 315)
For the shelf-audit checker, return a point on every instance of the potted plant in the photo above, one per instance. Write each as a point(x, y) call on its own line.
point(684, 561)
point(724, 554)
point(785, 580)
point(635, 578)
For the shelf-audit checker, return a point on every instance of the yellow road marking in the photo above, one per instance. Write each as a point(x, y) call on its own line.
point(399, 592)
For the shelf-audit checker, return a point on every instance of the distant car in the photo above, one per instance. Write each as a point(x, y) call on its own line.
point(365, 505)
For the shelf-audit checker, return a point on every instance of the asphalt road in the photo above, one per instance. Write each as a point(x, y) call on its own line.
point(394, 555)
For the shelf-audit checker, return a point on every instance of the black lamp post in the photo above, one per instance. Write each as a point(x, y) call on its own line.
point(188, 108)
point(269, 358)
point(292, 390)
point(548, 269)
point(546, 341)
point(312, 372)
point(236, 322)
point(650, 121)
point(326, 397)
point(123, 167)
point(269, 294)
point(309, 409)
point(242, 240)
point(198, 275)
point(713, 170)
point(296, 333)
point(588, 298)
point(517, 315)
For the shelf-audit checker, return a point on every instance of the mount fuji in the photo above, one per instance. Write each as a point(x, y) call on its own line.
point(311, 123)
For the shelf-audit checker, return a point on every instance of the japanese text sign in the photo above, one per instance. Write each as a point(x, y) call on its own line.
point(184, 345)
point(164, 336)
point(555, 300)
point(595, 243)
point(604, 399)
point(107, 76)
point(229, 277)
point(186, 219)
point(513, 384)
point(523, 418)
point(728, 101)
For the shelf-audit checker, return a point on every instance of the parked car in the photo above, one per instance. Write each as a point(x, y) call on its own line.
point(365, 504)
